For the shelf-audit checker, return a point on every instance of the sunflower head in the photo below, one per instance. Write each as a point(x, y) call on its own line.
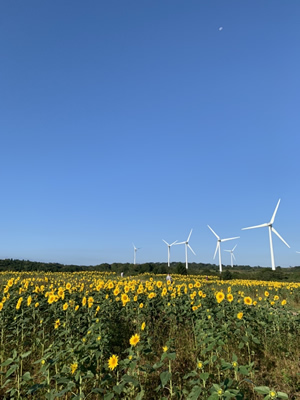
point(134, 340)
point(248, 300)
point(113, 362)
point(230, 297)
point(220, 297)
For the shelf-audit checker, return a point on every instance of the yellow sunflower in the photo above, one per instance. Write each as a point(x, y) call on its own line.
point(134, 340)
point(230, 297)
point(220, 297)
point(240, 315)
point(248, 300)
point(113, 362)
point(73, 368)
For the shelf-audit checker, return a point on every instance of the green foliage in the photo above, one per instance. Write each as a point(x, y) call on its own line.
point(181, 269)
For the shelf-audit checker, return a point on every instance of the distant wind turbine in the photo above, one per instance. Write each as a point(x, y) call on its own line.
point(135, 249)
point(232, 257)
point(186, 249)
point(219, 240)
point(169, 247)
point(271, 229)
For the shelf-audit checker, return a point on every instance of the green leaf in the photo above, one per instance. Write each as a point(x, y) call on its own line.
point(214, 396)
point(195, 393)
point(7, 362)
point(262, 389)
point(26, 377)
point(229, 395)
point(243, 370)
point(62, 380)
point(11, 391)
point(216, 387)
point(88, 375)
point(63, 392)
point(157, 365)
point(108, 396)
point(171, 356)
point(118, 388)
point(204, 376)
point(11, 370)
point(35, 387)
point(282, 395)
point(190, 374)
point(24, 355)
point(127, 378)
point(255, 340)
point(140, 395)
point(165, 377)
point(6, 382)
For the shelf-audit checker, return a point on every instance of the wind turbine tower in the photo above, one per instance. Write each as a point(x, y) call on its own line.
point(169, 247)
point(135, 249)
point(232, 257)
point(219, 240)
point(186, 249)
point(271, 229)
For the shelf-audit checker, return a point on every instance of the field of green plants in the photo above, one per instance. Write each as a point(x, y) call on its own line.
point(92, 335)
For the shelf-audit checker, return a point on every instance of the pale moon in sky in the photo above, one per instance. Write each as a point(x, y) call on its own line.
point(221, 28)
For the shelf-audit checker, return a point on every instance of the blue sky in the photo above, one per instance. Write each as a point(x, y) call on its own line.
point(135, 121)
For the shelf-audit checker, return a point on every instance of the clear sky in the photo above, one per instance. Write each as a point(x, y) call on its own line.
point(135, 121)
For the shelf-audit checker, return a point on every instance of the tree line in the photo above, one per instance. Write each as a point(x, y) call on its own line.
point(291, 274)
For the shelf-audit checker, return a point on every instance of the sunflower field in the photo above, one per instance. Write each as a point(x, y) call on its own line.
point(91, 335)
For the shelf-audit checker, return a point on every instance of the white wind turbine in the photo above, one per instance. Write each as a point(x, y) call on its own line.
point(186, 247)
point(232, 257)
point(271, 229)
point(219, 246)
point(169, 247)
point(135, 249)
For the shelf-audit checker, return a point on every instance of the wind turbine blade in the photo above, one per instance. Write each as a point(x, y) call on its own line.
point(133, 245)
point(256, 226)
point(276, 233)
point(189, 235)
point(218, 237)
point(298, 252)
point(233, 256)
point(225, 240)
point(179, 243)
point(173, 243)
point(273, 216)
point(191, 249)
point(165, 242)
point(234, 248)
point(228, 251)
point(218, 244)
